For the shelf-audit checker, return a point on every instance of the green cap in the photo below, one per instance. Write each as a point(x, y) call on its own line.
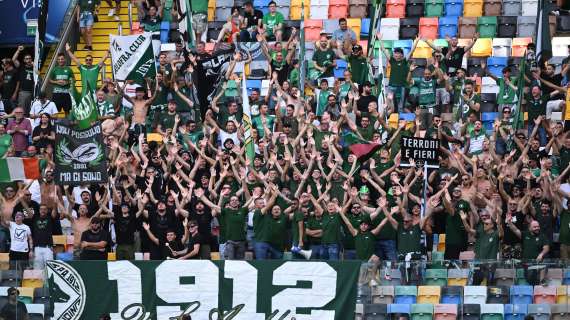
point(364, 189)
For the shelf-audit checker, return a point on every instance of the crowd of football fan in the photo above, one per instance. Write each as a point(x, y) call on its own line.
point(499, 192)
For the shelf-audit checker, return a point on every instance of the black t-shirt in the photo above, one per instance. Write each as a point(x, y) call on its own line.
point(282, 71)
point(14, 312)
point(362, 104)
point(90, 236)
point(518, 220)
point(26, 77)
point(43, 142)
point(125, 227)
point(166, 251)
point(10, 79)
point(253, 18)
point(160, 224)
point(555, 79)
point(197, 239)
point(204, 224)
point(42, 230)
point(455, 60)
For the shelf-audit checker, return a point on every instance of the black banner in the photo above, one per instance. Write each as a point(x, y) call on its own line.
point(420, 150)
point(209, 75)
point(79, 154)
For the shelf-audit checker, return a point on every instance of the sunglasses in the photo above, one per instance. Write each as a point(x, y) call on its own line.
point(506, 111)
point(193, 226)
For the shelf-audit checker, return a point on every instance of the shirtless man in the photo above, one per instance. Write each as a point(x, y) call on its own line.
point(140, 109)
point(9, 200)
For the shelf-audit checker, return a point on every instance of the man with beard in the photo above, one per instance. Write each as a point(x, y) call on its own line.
point(27, 206)
point(324, 57)
point(475, 140)
point(427, 93)
point(534, 246)
point(86, 200)
point(21, 242)
point(202, 216)
point(26, 79)
point(161, 221)
point(94, 241)
point(169, 247)
point(61, 78)
point(42, 232)
point(125, 228)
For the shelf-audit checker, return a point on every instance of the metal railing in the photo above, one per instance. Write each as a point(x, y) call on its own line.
point(69, 30)
point(130, 15)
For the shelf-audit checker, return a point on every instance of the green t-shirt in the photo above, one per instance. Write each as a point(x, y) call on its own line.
point(234, 222)
point(364, 243)
point(277, 230)
point(297, 216)
point(5, 143)
point(105, 109)
point(355, 220)
point(331, 228)
point(258, 123)
point(506, 95)
point(387, 232)
point(487, 245)
point(89, 76)
point(454, 230)
point(564, 237)
point(62, 73)
point(466, 106)
point(260, 228)
point(409, 240)
point(399, 72)
point(325, 59)
point(294, 77)
point(315, 224)
point(564, 157)
point(166, 120)
point(358, 66)
point(426, 92)
point(532, 244)
point(199, 6)
point(536, 107)
point(270, 21)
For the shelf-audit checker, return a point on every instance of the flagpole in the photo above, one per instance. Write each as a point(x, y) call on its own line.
point(302, 72)
point(249, 147)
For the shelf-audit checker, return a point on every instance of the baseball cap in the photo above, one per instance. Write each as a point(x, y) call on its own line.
point(364, 189)
point(356, 47)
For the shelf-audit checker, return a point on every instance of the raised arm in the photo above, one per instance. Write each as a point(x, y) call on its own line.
point(71, 55)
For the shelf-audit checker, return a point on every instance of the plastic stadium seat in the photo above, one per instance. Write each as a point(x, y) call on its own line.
point(358, 8)
point(487, 27)
point(559, 312)
point(507, 27)
point(338, 9)
point(395, 8)
point(284, 10)
point(492, 7)
point(554, 276)
point(482, 48)
point(502, 48)
point(11, 278)
point(492, 311)
point(474, 294)
point(518, 46)
point(448, 26)
point(341, 66)
point(423, 50)
point(560, 49)
point(409, 28)
point(428, 28)
point(563, 23)
point(526, 26)
point(496, 294)
point(355, 25)
point(488, 85)
point(33, 279)
point(383, 294)
point(488, 119)
point(529, 7)
point(406, 45)
point(295, 12)
point(512, 8)
point(397, 308)
point(495, 65)
point(544, 294)
point(435, 277)
point(562, 294)
point(454, 8)
point(473, 8)
point(422, 312)
point(313, 29)
point(471, 311)
point(390, 28)
point(330, 25)
point(222, 13)
point(365, 27)
point(452, 294)
point(445, 312)
point(434, 8)
point(521, 294)
point(467, 27)
point(375, 311)
point(566, 271)
point(405, 294)
point(429, 294)
point(319, 9)
point(539, 311)
point(553, 22)
point(457, 277)
point(515, 311)
point(489, 104)
point(363, 294)
point(415, 8)
point(35, 311)
point(394, 277)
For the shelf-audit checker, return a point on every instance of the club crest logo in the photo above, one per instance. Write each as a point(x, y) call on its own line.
point(67, 291)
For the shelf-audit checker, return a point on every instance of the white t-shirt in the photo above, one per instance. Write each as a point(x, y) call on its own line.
point(38, 108)
point(19, 236)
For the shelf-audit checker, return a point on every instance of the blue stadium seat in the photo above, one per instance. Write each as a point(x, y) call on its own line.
point(406, 45)
point(448, 26)
point(566, 276)
point(399, 308)
point(495, 65)
point(405, 294)
point(365, 27)
point(64, 256)
point(452, 295)
point(164, 31)
point(341, 66)
point(454, 8)
point(408, 116)
point(515, 311)
point(521, 294)
point(262, 5)
point(253, 84)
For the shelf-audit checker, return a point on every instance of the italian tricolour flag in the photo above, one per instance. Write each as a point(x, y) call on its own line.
point(14, 169)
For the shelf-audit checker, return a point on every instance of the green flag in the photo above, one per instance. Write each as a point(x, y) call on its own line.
point(302, 64)
point(542, 33)
point(518, 116)
point(249, 147)
point(85, 112)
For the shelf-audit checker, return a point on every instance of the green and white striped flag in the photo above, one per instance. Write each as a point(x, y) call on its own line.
point(248, 138)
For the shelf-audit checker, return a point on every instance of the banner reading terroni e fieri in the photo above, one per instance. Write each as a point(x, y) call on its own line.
point(242, 290)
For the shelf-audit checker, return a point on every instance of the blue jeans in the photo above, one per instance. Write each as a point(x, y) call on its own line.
point(399, 97)
point(350, 254)
point(317, 252)
point(331, 251)
point(500, 147)
point(264, 250)
point(386, 250)
point(541, 133)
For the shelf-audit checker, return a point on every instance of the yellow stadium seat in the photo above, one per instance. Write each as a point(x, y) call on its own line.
point(562, 294)
point(483, 48)
point(26, 292)
point(441, 243)
point(215, 255)
point(211, 3)
point(473, 8)
point(211, 14)
point(355, 25)
point(295, 11)
point(567, 116)
point(154, 137)
point(429, 294)
point(59, 243)
point(423, 50)
point(111, 256)
point(393, 120)
point(4, 261)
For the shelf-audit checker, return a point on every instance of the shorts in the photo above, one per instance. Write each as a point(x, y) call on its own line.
point(86, 19)
point(62, 101)
point(442, 96)
point(199, 22)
